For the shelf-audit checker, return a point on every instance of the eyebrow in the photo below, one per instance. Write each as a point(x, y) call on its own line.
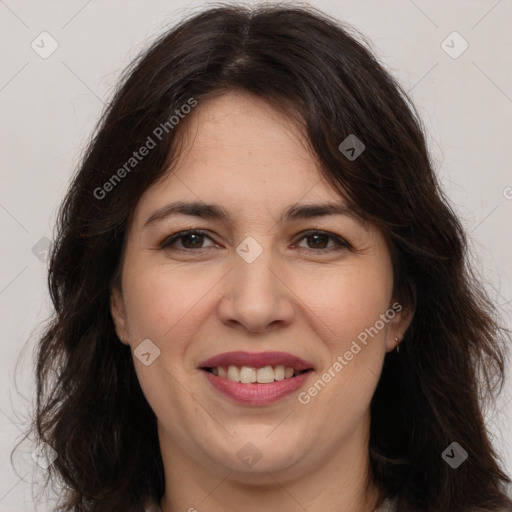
point(213, 211)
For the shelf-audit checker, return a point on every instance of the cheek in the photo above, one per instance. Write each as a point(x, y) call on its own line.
point(162, 305)
point(346, 298)
point(160, 300)
point(351, 305)
point(349, 299)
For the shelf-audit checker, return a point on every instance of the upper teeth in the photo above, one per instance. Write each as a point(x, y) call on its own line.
point(248, 374)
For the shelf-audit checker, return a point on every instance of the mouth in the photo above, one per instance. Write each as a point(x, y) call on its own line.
point(256, 379)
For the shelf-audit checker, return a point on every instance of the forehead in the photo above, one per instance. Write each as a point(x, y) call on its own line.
point(239, 151)
point(237, 130)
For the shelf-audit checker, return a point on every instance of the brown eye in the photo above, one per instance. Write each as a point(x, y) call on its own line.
point(190, 241)
point(195, 239)
point(318, 240)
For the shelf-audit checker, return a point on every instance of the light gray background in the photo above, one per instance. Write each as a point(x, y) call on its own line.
point(49, 107)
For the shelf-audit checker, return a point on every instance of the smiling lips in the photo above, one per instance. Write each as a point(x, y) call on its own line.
point(256, 379)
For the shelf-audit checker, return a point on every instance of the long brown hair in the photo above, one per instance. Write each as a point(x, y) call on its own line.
point(451, 361)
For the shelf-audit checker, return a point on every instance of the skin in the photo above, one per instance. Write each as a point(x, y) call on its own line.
point(249, 158)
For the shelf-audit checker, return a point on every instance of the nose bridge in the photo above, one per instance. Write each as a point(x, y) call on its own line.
point(252, 275)
point(255, 296)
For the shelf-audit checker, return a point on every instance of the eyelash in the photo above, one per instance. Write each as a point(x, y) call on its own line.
point(340, 242)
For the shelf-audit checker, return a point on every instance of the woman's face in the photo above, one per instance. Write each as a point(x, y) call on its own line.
point(255, 281)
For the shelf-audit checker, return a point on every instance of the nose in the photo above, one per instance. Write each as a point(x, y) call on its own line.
point(256, 296)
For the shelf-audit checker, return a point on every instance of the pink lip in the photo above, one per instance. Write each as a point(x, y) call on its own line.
point(257, 394)
point(256, 360)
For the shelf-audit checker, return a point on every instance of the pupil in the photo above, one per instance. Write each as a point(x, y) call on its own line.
point(316, 237)
point(192, 236)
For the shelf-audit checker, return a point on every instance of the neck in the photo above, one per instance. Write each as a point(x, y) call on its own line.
point(338, 482)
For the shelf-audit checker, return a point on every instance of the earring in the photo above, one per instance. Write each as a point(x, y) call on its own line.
point(397, 345)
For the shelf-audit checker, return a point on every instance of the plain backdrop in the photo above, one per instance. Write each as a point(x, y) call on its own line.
point(49, 107)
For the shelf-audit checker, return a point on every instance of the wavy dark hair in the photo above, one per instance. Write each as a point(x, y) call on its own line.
point(322, 74)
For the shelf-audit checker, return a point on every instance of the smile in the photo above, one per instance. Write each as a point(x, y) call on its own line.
point(245, 378)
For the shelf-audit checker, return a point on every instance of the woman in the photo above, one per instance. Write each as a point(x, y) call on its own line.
point(211, 354)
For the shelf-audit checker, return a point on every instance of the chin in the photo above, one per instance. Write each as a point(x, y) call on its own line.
point(249, 455)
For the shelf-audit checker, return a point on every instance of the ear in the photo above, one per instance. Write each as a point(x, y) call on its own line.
point(117, 310)
point(400, 317)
